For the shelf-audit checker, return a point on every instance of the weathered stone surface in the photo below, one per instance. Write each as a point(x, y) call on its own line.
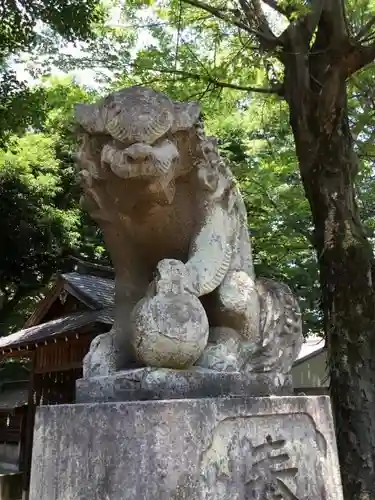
point(160, 383)
point(176, 227)
point(170, 325)
point(202, 449)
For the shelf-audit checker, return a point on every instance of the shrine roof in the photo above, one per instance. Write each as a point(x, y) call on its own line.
point(98, 291)
point(312, 346)
point(52, 329)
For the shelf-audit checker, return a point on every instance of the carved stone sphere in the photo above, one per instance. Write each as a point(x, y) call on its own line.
point(169, 331)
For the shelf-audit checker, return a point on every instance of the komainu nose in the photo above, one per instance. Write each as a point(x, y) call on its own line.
point(138, 152)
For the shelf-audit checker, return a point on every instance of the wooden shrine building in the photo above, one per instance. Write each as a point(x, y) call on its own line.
point(54, 341)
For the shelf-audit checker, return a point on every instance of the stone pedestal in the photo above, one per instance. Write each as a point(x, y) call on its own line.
point(144, 384)
point(197, 449)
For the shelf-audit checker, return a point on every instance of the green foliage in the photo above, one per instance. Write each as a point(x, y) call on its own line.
point(35, 231)
point(258, 145)
point(40, 217)
point(72, 19)
point(28, 25)
point(61, 96)
point(12, 370)
point(20, 107)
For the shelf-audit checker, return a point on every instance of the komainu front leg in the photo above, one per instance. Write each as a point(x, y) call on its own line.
point(234, 311)
point(238, 305)
point(102, 357)
point(112, 351)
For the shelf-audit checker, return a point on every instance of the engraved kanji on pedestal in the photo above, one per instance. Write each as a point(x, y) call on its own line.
point(269, 471)
point(259, 459)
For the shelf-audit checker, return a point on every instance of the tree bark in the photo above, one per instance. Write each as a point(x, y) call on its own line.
point(328, 166)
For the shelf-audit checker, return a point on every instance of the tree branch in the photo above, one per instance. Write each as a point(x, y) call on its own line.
point(220, 15)
point(344, 14)
point(305, 25)
point(217, 83)
point(357, 58)
point(254, 14)
point(360, 37)
point(230, 20)
point(284, 11)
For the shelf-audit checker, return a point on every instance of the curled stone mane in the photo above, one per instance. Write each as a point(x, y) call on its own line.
point(214, 175)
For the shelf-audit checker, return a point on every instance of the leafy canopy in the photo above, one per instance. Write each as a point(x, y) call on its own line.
point(26, 26)
point(40, 217)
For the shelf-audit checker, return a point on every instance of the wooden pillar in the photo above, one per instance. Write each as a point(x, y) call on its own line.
point(28, 431)
point(23, 436)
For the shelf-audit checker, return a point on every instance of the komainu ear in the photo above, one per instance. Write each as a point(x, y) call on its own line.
point(186, 115)
point(90, 118)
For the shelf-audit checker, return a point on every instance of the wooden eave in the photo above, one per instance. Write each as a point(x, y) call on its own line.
point(24, 342)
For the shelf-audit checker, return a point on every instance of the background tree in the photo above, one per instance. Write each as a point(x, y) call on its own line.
point(41, 222)
point(34, 230)
point(32, 25)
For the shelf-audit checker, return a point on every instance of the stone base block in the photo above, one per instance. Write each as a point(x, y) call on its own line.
point(144, 384)
point(197, 449)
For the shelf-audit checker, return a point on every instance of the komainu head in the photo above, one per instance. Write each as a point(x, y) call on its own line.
point(140, 134)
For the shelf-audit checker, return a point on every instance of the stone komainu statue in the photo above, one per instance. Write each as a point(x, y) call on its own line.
point(175, 225)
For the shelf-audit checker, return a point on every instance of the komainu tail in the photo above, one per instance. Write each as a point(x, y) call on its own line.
point(280, 329)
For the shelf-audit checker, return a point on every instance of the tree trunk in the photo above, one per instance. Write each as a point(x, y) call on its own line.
point(328, 166)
